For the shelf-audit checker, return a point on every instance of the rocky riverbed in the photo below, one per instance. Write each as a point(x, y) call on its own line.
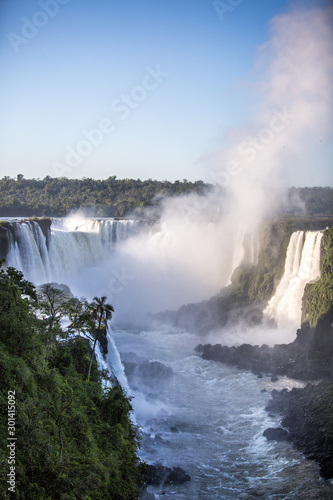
point(307, 414)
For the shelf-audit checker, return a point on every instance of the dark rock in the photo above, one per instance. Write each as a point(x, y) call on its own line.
point(263, 390)
point(151, 376)
point(146, 495)
point(4, 240)
point(174, 429)
point(178, 475)
point(199, 348)
point(292, 360)
point(276, 434)
point(160, 475)
point(308, 415)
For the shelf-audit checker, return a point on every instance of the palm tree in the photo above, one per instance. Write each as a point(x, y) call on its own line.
point(101, 313)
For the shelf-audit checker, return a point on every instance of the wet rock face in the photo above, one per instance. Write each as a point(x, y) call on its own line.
point(276, 434)
point(292, 360)
point(151, 376)
point(160, 475)
point(308, 415)
point(4, 245)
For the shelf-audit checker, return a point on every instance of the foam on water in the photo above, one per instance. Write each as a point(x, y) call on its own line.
point(210, 421)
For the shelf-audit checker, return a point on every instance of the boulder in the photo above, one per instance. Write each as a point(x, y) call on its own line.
point(276, 434)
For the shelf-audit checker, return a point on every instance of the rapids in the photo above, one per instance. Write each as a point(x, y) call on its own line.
point(205, 417)
point(208, 418)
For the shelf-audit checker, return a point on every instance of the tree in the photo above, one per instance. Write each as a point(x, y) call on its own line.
point(101, 313)
point(16, 279)
point(52, 308)
point(51, 303)
point(78, 315)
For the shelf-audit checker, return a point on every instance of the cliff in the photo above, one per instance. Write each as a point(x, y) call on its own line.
point(251, 287)
point(306, 413)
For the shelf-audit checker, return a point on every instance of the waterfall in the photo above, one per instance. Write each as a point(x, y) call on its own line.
point(114, 361)
point(28, 251)
point(245, 249)
point(302, 266)
point(73, 244)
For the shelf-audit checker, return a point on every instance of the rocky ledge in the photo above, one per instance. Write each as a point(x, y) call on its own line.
point(308, 415)
point(159, 475)
point(303, 359)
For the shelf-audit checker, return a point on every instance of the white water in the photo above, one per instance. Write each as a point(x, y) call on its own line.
point(74, 245)
point(245, 248)
point(302, 266)
point(161, 267)
point(207, 418)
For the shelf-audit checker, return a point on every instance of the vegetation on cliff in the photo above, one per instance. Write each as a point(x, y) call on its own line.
point(252, 284)
point(318, 296)
point(75, 438)
point(307, 413)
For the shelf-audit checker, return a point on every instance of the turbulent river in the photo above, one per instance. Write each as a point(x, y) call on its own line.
point(208, 418)
point(203, 416)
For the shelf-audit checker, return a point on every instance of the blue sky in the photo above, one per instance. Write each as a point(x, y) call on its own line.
point(154, 85)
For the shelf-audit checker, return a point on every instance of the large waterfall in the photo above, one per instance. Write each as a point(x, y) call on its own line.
point(72, 245)
point(205, 417)
point(157, 259)
point(302, 265)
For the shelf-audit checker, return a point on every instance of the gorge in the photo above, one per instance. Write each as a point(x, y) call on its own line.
point(203, 416)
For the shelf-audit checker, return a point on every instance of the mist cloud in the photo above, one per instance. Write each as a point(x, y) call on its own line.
point(189, 257)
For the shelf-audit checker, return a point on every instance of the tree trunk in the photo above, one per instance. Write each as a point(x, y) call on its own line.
point(94, 346)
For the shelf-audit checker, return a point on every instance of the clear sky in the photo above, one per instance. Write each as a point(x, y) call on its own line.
point(132, 88)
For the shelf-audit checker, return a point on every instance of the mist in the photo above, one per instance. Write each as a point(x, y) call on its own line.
point(191, 252)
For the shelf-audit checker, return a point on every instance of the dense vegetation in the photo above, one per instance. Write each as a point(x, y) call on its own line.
point(75, 439)
point(317, 306)
point(318, 296)
point(257, 283)
point(56, 197)
point(112, 197)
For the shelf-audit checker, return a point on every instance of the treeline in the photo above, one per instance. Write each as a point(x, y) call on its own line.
point(112, 197)
point(69, 436)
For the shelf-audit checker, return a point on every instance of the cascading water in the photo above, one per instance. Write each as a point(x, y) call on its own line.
point(28, 252)
point(205, 417)
point(73, 245)
point(302, 266)
point(245, 248)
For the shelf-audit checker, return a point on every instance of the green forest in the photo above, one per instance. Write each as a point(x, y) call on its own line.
point(70, 434)
point(112, 197)
point(104, 198)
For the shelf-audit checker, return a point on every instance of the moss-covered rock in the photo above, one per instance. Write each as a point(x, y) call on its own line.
point(318, 296)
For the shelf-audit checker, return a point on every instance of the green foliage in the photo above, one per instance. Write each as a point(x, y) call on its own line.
point(75, 440)
point(112, 197)
point(101, 313)
point(257, 283)
point(318, 296)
